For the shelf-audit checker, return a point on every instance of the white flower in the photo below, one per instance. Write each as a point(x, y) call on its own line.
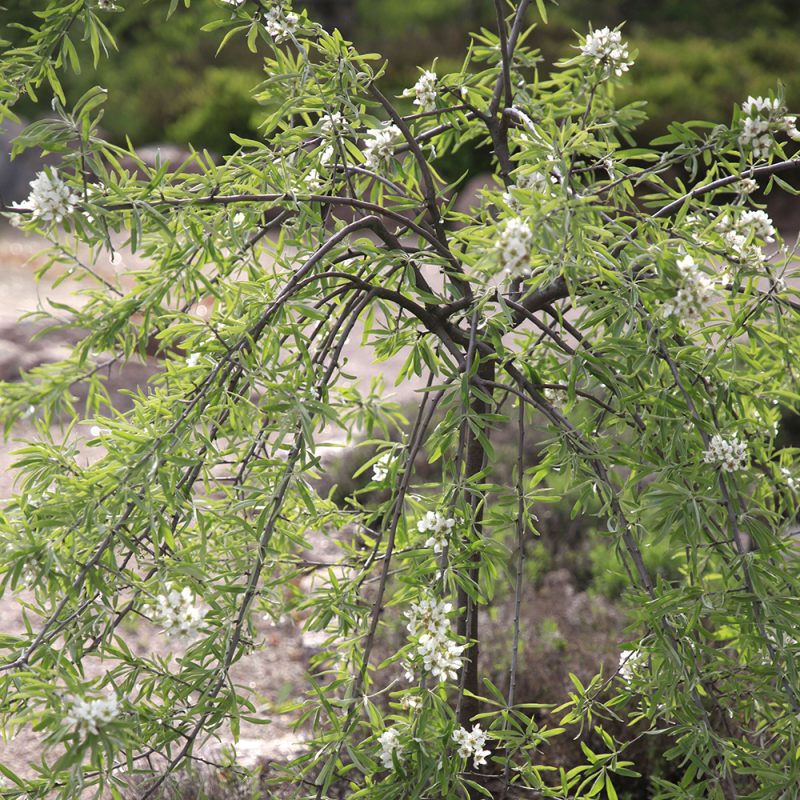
point(607, 49)
point(765, 117)
point(760, 105)
point(755, 135)
point(429, 615)
point(532, 182)
point(50, 199)
point(177, 612)
point(746, 186)
point(471, 744)
point(439, 527)
point(729, 454)
point(514, 244)
point(535, 181)
point(411, 702)
point(332, 123)
point(314, 181)
point(736, 242)
point(629, 660)
point(694, 293)
point(440, 655)
point(380, 469)
point(379, 146)
point(758, 224)
point(424, 91)
point(192, 359)
point(281, 24)
point(389, 741)
point(556, 397)
point(88, 716)
point(238, 219)
point(738, 233)
point(791, 481)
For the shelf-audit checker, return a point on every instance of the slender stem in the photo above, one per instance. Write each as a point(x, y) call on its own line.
point(512, 676)
point(468, 627)
point(508, 92)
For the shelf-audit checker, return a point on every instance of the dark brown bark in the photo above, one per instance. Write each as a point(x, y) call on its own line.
point(475, 463)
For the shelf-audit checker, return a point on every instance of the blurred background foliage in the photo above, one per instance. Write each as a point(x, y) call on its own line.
point(696, 59)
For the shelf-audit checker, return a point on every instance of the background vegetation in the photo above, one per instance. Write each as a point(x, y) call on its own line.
point(696, 60)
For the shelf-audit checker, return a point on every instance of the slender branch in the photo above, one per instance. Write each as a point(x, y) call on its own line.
point(508, 91)
point(518, 585)
point(516, 29)
point(699, 191)
point(429, 191)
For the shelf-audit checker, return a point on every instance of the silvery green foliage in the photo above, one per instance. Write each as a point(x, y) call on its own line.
point(642, 325)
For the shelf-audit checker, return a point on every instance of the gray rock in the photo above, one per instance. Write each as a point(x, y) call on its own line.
point(16, 175)
point(21, 352)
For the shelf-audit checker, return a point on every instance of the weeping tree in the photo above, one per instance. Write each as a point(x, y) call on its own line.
point(632, 309)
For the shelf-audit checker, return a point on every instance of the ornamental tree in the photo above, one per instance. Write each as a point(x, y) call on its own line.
point(632, 307)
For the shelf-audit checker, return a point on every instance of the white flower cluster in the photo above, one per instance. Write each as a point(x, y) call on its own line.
point(791, 481)
point(379, 146)
point(765, 116)
point(471, 744)
point(380, 469)
point(429, 622)
point(424, 91)
point(515, 243)
point(50, 199)
point(533, 182)
point(281, 24)
point(314, 182)
point(756, 223)
point(88, 716)
point(429, 615)
point(729, 454)
point(440, 655)
point(694, 293)
point(607, 48)
point(739, 233)
point(556, 397)
point(746, 186)
point(331, 124)
point(389, 741)
point(629, 661)
point(411, 702)
point(177, 611)
point(439, 527)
